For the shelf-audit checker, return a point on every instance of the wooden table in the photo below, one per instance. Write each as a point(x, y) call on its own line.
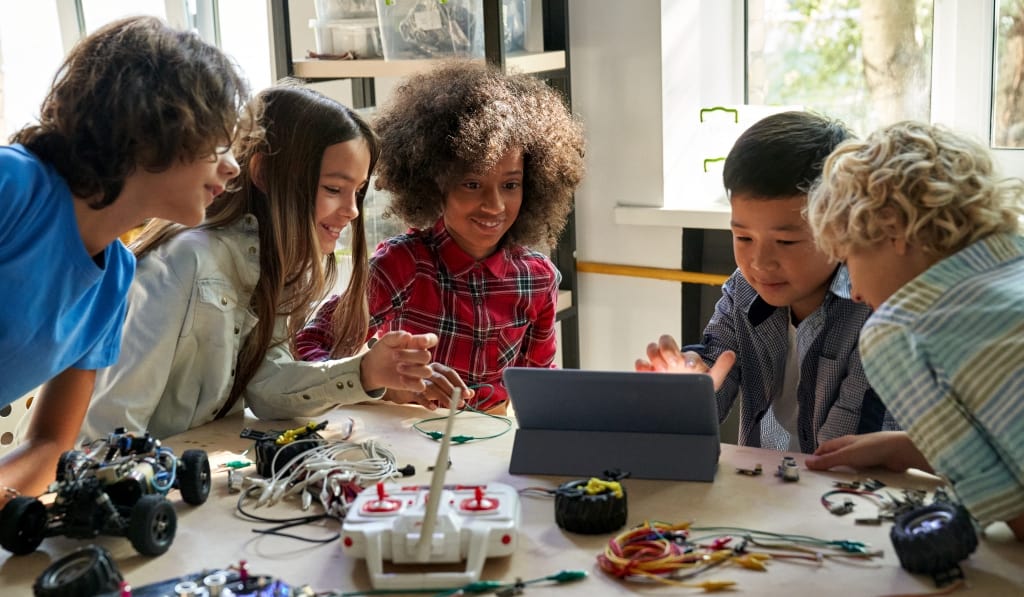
point(212, 535)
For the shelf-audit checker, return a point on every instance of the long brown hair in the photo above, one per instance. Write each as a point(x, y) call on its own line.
point(296, 126)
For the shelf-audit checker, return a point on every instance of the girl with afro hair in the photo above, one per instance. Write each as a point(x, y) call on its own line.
point(482, 167)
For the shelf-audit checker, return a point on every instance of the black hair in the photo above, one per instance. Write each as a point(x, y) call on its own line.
point(781, 155)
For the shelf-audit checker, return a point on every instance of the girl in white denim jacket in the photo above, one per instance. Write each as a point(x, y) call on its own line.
point(213, 310)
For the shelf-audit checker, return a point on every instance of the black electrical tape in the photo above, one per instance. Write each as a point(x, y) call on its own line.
point(589, 513)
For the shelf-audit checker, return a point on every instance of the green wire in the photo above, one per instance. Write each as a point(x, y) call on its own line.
point(461, 439)
point(473, 588)
point(843, 544)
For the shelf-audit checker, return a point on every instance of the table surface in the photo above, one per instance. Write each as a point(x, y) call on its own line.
point(213, 536)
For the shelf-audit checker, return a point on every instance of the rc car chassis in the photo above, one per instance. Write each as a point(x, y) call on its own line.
point(123, 493)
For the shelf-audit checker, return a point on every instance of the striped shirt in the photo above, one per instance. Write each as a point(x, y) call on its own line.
point(488, 315)
point(946, 354)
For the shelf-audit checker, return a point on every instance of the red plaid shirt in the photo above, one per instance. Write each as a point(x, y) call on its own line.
point(490, 314)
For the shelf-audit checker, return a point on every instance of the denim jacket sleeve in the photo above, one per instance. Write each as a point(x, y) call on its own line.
point(284, 387)
point(129, 392)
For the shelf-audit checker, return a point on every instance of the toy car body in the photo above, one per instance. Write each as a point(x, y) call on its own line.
point(124, 493)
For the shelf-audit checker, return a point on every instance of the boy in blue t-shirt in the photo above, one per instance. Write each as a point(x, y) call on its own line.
point(136, 126)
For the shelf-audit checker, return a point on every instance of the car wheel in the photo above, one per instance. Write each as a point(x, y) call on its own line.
point(194, 477)
point(933, 539)
point(86, 571)
point(152, 525)
point(22, 525)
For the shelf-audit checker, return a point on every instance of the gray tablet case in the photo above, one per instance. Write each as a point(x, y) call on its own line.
point(582, 423)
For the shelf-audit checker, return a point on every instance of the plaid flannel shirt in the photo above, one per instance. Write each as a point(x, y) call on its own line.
point(488, 315)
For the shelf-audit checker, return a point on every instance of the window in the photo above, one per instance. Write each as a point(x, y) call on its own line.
point(26, 29)
point(97, 13)
point(40, 34)
point(867, 62)
point(1008, 76)
point(243, 32)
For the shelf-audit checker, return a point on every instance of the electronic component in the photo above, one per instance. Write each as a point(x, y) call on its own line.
point(751, 472)
point(91, 570)
point(274, 449)
point(788, 469)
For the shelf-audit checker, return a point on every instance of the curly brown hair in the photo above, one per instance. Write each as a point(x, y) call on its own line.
point(136, 93)
point(461, 118)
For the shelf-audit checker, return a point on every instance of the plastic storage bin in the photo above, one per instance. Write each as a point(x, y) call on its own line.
point(412, 29)
point(333, 10)
point(359, 36)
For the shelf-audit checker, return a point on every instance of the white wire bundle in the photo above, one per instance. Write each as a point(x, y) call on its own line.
point(324, 470)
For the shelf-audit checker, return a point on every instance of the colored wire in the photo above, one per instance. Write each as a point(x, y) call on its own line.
point(659, 552)
point(840, 509)
point(332, 473)
point(284, 523)
point(462, 439)
point(473, 588)
point(666, 553)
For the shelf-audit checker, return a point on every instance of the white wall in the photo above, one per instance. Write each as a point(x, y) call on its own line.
point(619, 84)
point(616, 88)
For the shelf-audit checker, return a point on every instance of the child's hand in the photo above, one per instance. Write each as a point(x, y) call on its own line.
point(438, 391)
point(890, 449)
point(666, 357)
point(398, 360)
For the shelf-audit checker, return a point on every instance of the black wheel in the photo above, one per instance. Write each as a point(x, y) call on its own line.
point(68, 464)
point(933, 539)
point(22, 525)
point(194, 477)
point(152, 525)
point(86, 571)
point(589, 513)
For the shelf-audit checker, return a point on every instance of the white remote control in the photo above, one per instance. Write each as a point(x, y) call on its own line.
point(431, 525)
point(473, 524)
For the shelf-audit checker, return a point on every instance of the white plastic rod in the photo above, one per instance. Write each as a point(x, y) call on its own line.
point(437, 482)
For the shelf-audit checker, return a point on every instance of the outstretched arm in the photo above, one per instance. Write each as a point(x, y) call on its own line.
point(284, 387)
point(57, 415)
point(889, 449)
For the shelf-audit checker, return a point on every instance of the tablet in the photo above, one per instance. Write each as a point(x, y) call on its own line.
point(582, 423)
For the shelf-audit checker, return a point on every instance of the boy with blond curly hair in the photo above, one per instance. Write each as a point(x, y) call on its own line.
point(932, 238)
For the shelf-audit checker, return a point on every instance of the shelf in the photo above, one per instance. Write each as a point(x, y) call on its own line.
point(523, 62)
point(564, 300)
point(709, 216)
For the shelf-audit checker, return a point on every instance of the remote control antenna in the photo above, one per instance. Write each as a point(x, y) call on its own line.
point(437, 482)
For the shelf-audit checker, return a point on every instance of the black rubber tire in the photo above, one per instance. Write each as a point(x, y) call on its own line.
point(933, 539)
point(589, 514)
point(22, 525)
point(87, 571)
point(193, 477)
point(152, 525)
